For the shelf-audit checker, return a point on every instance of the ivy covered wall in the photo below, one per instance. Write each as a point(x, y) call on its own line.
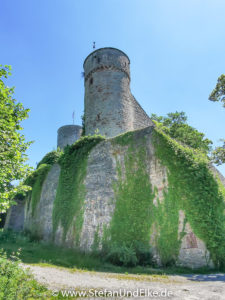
point(125, 197)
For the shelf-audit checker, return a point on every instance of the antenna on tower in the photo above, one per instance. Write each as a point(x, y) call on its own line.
point(73, 116)
point(93, 45)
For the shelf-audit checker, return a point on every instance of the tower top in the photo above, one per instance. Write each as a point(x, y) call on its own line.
point(105, 48)
point(67, 135)
point(106, 59)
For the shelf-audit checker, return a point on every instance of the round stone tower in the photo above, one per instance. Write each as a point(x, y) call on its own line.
point(110, 108)
point(67, 135)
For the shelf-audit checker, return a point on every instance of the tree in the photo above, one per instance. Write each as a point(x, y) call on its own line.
point(218, 94)
point(175, 124)
point(218, 155)
point(12, 144)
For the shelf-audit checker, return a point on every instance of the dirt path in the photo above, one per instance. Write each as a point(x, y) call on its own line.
point(190, 287)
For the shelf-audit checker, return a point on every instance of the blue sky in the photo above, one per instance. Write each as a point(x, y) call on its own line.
point(176, 48)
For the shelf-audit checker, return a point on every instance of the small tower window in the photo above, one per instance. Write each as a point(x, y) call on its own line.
point(91, 81)
point(99, 59)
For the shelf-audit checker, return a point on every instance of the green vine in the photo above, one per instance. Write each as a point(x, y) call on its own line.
point(129, 230)
point(193, 188)
point(50, 158)
point(166, 218)
point(36, 180)
point(68, 204)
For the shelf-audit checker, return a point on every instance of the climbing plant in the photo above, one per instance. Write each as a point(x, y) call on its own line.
point(191, 188)
point(51, 157)
point(71, 190)
point(129, 232)
point(191, 182)
point(35, 181)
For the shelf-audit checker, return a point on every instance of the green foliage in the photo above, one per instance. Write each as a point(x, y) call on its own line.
point(51, 158)
point(191, 182)
point(166, 218)
point(218, 94)
point(38, 176)
point(52, 255)
point(175, 124)
point(36, 179)
point(176, 118)
point(122, 254)
point(132, 218)
point(16, 283)
point(135, 215)
point(12, 143)
point(71, 190)
point(218, 155)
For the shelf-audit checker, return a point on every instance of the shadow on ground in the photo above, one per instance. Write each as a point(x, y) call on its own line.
point(206, 277)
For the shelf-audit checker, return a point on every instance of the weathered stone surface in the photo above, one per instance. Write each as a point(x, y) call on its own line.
point(193, 252)
point(109, 105)
point(15, 216)
point(67, 135)
point(99, 202)
point(40, 223)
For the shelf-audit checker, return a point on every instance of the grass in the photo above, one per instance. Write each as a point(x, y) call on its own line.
point(18, 284)
point(44, 254)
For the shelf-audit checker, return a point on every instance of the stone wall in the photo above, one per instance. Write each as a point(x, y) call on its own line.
point(100, 200)
point(39, 224)
point(15, 216)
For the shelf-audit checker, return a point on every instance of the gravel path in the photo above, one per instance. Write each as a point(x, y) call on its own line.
point(187, 287)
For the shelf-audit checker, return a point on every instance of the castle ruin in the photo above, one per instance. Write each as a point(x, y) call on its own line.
point(126, 192)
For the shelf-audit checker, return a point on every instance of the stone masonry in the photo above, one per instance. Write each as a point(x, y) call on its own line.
point(99, 202)
point(67, 135)
point(110, 108)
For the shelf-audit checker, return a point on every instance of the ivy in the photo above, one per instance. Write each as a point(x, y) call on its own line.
point(191, 188)
point(36, 180)
point(68, 204)
point(166, 218)
point(194, 189)
point(51, 157)
point(129, 230)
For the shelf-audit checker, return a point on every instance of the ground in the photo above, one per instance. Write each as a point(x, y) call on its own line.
point(182, 287)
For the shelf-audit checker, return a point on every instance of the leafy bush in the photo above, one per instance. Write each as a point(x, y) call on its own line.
point(16, 283)
point(122, 255)
point(129, 256)
point(144, 254)
point(7, 235)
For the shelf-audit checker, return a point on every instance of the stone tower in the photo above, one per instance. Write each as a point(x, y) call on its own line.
point(67, 135)
point(110, 108)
